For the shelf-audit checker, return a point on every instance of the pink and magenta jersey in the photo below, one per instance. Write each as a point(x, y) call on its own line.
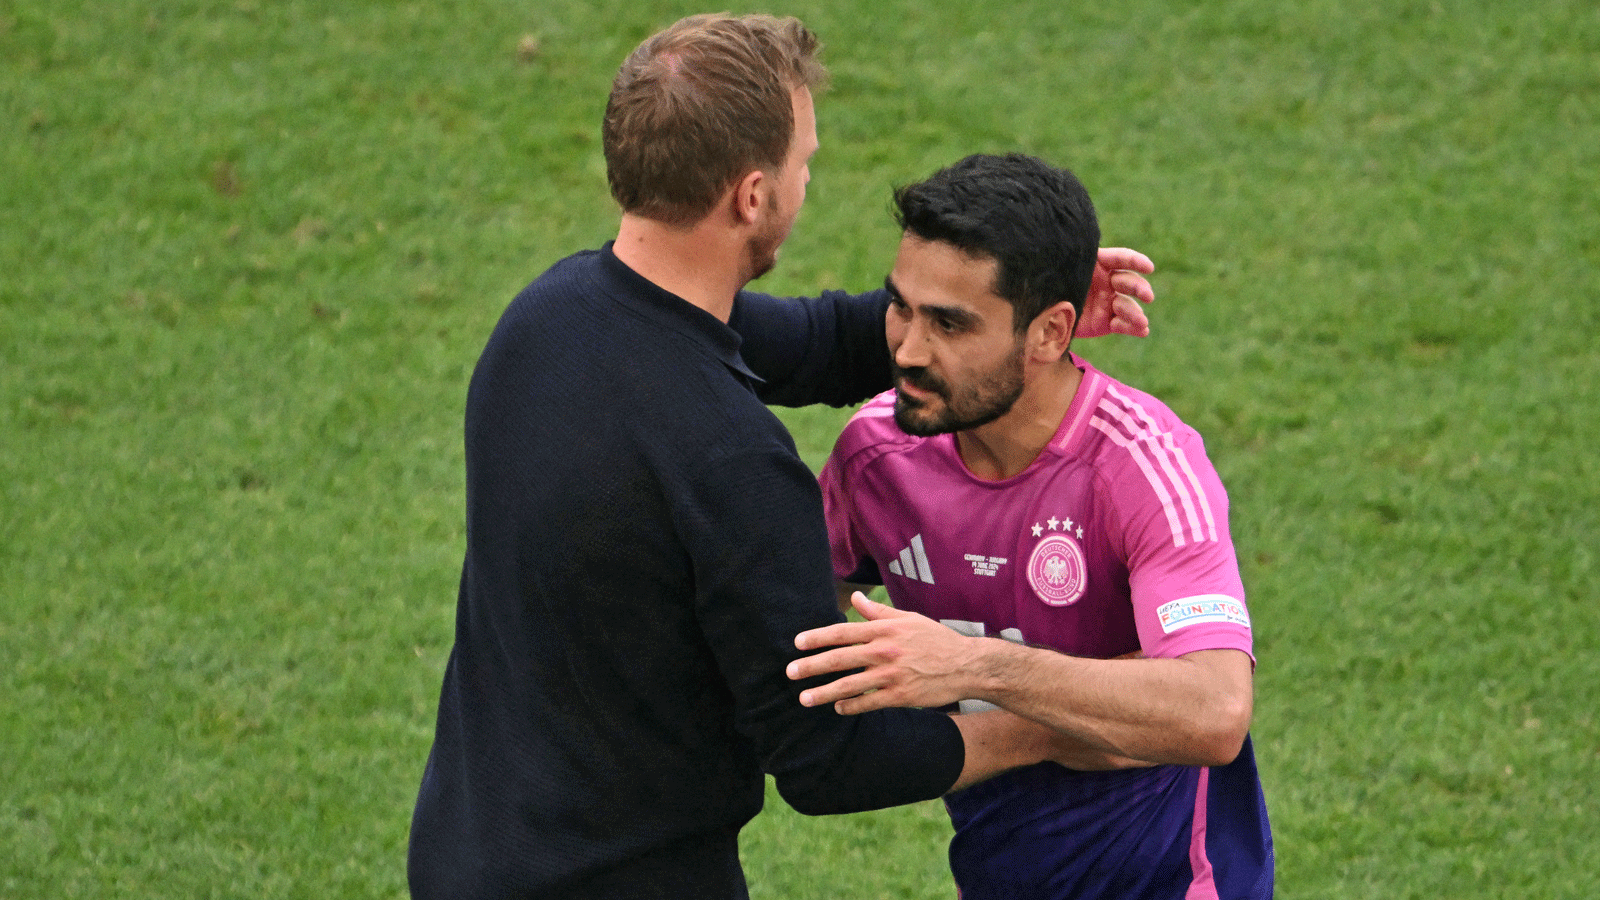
point(1114, 540)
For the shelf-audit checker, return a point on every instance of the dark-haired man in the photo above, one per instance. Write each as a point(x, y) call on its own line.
point(1055, 543)
point(643, 542)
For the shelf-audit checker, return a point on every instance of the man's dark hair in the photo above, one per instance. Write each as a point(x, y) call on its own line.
point(1034, 220)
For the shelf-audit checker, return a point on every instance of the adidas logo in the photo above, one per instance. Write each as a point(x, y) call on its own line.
point(913, 563)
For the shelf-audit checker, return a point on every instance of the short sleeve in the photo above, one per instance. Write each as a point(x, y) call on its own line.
point(1172, 517)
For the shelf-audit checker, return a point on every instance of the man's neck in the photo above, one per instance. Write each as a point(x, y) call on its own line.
point(697, 263)
point(1005, 447)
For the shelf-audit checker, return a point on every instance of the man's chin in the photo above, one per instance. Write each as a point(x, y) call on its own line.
point(914, 420)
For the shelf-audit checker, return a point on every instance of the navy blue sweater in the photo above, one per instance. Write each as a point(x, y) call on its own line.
point(643, 544)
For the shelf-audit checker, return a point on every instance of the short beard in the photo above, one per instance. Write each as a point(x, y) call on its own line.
point(990, 398)
point(761, 256)
point(761, 251)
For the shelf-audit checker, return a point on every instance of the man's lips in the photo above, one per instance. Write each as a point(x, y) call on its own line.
point(911, 391)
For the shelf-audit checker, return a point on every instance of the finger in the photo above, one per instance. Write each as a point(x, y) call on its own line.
point(842, 659)
point(871, 609)
point(1131, 329)
point(1128, 307)
point(1123, 258)
point(841, 689)
point(1128, 317)
point(865, 703)
point(835, 635)
point(1132, 284)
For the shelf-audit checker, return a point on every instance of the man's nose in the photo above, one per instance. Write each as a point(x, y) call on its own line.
point(912, 352)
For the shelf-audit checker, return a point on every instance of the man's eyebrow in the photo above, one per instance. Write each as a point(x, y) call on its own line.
point(957, 314)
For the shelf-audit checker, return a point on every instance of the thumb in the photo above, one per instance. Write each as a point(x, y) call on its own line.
point(871, 609)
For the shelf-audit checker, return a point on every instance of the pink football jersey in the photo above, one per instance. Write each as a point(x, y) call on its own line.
point(1115, 539)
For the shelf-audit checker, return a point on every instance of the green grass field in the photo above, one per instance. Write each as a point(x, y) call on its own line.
point(249, 251)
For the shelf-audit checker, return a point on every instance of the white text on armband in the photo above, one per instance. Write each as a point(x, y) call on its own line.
point(1204, 609)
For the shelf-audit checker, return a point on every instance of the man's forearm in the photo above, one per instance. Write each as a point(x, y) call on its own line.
point(997, 742)
point(1194, 710)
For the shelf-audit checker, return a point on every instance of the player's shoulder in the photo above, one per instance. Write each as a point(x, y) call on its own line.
point(1139, 410)
point(871, 431)
point(1153, 470)
point(1130, 425)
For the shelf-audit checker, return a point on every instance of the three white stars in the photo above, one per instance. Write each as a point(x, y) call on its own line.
point(1066, 525)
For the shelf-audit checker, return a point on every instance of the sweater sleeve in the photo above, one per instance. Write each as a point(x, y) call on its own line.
point(760, 582)
point(829, 349)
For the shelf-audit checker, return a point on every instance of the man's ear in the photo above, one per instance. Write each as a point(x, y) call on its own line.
point(1050, 333)
point(748, 196)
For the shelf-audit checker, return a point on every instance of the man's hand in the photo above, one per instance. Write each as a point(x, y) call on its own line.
point(909, 660)
point(1115, 294)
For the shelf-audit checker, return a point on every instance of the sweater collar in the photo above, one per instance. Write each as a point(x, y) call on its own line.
point(671, 311)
